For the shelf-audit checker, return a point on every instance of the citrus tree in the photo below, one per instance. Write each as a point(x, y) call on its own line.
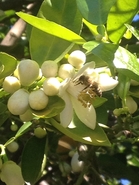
point(69, 111)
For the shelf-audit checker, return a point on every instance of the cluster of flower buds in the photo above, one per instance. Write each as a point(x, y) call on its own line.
point(23, 98)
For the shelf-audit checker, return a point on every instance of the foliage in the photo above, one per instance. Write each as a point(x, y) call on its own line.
point(106, 33)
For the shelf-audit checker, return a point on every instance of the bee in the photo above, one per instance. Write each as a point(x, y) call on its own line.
point(92, 87)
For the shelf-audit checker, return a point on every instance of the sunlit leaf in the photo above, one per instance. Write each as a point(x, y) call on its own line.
point(95, 11)
point(52, 28)
point(122, 12)
point(79, 132)
point(8, 64)
point(50, 47)
point(134, 31)
point(23, 129)
point(133, 160)
point(127, 63)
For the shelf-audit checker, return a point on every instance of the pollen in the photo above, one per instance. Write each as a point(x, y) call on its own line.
point(90, 90)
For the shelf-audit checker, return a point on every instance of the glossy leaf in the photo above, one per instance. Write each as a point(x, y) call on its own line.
point(8, 64)
point(52, 28)
point(50, 47)
point(54, 107)
point(95, 11)
point(32, 158)
point(105, 51)
point(123, 86)
point(122, 12)
point(90, 45)
point(126, 63)
point(80, 132)
point(23, 129)
point(134, 31)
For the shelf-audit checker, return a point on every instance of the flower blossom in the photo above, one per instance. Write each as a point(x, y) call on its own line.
point(78, 92)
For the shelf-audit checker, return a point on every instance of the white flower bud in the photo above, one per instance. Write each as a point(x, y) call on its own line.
point(27, 116)
point(49, 68)
point(11, 174)
point(76, 165)
point(28, 71)
point(13, 147)
point(77, 59)
point(18, 102)
point(66, 71)
point(51, 86)
point(131, 104)
point(38, 99)
point(11, 84)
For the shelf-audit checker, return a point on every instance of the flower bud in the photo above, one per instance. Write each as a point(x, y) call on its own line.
point(27, 116)
point(77, 59)
point(76, 165)
point(18, 102)
point(66, 71)
point(13, 147)
point(65, 168)
point(11, 84)
point(131, 104)
point(11, 174)
point(40, 132)
point(49, 68)
point(14, 127)
point(28, 71)
point(51, 86)
point(38, 99)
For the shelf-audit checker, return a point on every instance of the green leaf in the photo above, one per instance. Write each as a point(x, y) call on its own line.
point(122, 12)
point(50, 47)
point(52, 28)
point(95, 11)
point(98, 101)
point(134, 91)
point(126, 63)
point(9, 64)
point(3, 113)
point(90, 45)
point(32, 158)
point(80, 132)
point(134, 31)
point(105, 51)
point(54, 107)
point(133, 160)
point(23, 129)
point(123, 86)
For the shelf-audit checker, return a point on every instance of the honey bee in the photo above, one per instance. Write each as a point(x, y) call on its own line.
point(93, 87)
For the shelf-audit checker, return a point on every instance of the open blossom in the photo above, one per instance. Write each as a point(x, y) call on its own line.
point(78, 92)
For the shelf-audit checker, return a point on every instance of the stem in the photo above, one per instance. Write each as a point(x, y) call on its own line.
point(80, 178)
point(98, 176)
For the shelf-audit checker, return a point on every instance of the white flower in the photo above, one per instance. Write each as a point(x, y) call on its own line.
point(78, 92)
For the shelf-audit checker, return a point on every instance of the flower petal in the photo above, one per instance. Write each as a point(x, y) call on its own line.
point(106, 82)
point(86, 114)
point(85, 69)
point(63, 86)
point(67, 113)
